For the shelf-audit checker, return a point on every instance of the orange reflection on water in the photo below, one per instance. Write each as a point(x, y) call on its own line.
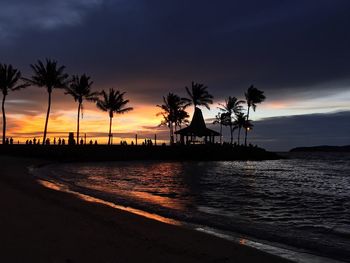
point(60, 187)
point(160, 200)
point(242, 241)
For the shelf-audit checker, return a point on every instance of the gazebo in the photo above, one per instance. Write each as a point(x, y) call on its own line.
point(197, 128)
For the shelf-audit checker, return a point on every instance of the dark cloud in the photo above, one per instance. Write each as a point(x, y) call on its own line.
point(284, 47)
point(293, 50)
point(284, 133)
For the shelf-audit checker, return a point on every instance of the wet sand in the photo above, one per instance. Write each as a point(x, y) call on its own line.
point(38, 224)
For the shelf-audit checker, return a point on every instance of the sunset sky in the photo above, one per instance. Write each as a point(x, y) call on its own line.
point(298, 52)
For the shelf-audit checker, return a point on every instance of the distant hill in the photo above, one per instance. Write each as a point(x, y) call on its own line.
point(322, 148)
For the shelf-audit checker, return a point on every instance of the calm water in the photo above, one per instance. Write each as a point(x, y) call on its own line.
point(302, 202)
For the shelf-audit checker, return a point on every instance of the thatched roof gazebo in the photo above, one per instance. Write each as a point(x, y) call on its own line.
point(197, 128)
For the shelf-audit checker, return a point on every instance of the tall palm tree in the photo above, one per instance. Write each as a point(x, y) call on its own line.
point(223, 119)
point(253, 97)
point(240, 122)
point(9, 78)
point(199, 95)
point(181, 117)
point(231, 106)
point(113, 102)
point(51, 76)
point(173, 112)
point(80, 89)
point(218, 120)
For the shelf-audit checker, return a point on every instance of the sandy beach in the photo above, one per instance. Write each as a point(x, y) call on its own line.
point(38, 224)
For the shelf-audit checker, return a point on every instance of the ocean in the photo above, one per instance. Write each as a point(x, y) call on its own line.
point(301, 203)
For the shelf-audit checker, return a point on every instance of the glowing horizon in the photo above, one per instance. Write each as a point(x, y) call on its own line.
point(143, 120)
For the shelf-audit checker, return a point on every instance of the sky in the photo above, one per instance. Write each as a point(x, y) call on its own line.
point(297, 52)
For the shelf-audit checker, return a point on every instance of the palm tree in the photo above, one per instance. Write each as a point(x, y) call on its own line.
point(80, 89)
point(113, 102)
point(181, 117)
point(218, 120)
point(222, 119)
point(9, 78)
point(199, 96)
point(173, 112)
point(51, 76)
point(231, 106)
point(253, 97)
point(240, 122)
point(248, 126)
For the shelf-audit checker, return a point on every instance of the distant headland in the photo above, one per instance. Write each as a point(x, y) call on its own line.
point(322, 148)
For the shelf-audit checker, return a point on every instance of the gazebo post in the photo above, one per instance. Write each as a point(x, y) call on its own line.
point(182, 139)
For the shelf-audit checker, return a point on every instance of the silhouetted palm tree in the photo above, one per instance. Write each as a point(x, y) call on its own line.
point(222, 119)
point(181, 117)
point(113, 102)
point(248, 126)
point(218, 120)
point(231, 106)
point(253, 97)
point(51, 76)
point(173, 112)
point(80, 89)
point(199, 96)
point(9, 78)
point(240, 122)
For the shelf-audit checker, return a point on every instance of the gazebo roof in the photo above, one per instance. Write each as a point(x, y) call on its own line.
point(197, 126)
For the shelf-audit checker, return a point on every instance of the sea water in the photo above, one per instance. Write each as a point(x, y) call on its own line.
point(301, 202)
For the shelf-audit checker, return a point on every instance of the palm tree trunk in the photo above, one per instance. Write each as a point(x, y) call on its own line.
point(47, 117)
point(78, 123)
point(171, 134)
point(110, 131)
point(175, 134)
point(231, 133)
point(246, 130)
point(220, 133)
point(239, 134)
point(3, 120)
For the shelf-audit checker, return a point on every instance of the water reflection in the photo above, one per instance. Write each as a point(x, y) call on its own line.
point(292, 200)
point(60, 187)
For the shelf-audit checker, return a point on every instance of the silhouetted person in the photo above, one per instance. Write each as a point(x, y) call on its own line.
point(30, 142)
point(63, 142)
point(11, 140)
point(132, 143)
point(81, 141)
point(47, 141)
point(54, 141)
point(59, 141)
point(91, 142)
point(7, 141)
point(34, 141)
point(38, 143)
point(27, 142)
point(95, 142)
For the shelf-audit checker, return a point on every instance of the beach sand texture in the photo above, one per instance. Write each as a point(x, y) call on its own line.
point(38, 224)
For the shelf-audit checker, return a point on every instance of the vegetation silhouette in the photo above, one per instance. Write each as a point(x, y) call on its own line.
point(231, 106)
point(199, 95)
point(173, 110)
point(9, 78)
point(173, 113)
point(80, 89)
point(51, 76)
point(240, 122)
point(113, 102)
point(253, 97)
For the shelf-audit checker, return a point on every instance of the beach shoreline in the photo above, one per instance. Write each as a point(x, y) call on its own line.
point(51, 226)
